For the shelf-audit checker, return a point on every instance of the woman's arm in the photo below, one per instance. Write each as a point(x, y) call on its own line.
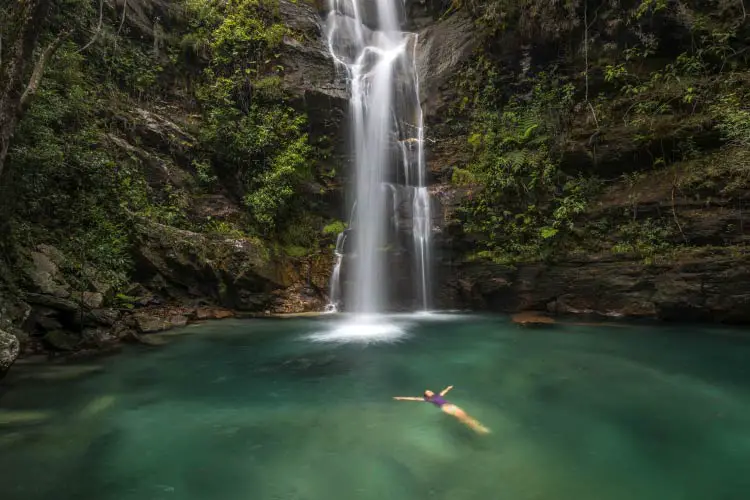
point(405, 398)
point(445, 391)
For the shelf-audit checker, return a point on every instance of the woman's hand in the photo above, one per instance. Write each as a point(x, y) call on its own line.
point(445, 391)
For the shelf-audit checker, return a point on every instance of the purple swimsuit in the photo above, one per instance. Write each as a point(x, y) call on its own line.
point(437, 400)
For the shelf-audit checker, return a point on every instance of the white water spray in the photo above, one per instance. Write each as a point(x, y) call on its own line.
point(366, 41)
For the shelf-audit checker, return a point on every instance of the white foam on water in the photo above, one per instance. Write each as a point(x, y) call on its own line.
point(362, 329)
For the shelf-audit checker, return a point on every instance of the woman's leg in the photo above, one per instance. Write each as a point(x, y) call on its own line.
point(464, 418)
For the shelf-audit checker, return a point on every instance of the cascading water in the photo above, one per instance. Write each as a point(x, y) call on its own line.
point(335, 287)
point(366, 41)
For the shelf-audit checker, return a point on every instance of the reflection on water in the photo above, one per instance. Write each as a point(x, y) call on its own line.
point(258, 410)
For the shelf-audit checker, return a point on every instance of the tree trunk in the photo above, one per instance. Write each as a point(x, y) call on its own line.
point(23, 32)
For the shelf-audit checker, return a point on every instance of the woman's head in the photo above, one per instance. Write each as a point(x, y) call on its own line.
point(428, 394)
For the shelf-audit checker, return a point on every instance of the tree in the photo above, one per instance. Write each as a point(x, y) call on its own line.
point(21, 42)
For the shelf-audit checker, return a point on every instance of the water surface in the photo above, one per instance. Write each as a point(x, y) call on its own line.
point(260, 410)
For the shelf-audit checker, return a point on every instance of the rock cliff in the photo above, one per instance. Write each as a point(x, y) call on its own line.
point(196, 264)
point(664, 238)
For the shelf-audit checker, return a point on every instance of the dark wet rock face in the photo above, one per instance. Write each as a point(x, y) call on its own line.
point(712, 287)
point(443, 48)
point(180, 265)
point(318, 87)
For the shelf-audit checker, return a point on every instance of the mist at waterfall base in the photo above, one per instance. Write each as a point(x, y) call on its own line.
point(382, 261)
point(260, 410)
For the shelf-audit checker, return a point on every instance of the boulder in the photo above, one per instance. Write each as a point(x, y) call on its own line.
point(43, 274)
point(234, 272)
point(105, 317)
point(158, 321)
point(92, 300)
point(149, 323)
point(60, 340)
point(51, 301)
point(125, 331)
point(140, 296)
point(299, 298)
point(43, 319)
point(177, 320)
point(204, 313)
point(9, 349)
point(12, 311)
point(157, 170)
point(157, 131)
point(99, 337)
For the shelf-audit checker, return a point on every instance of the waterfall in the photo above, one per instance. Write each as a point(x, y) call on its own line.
point(366, 41)
point(334, 293)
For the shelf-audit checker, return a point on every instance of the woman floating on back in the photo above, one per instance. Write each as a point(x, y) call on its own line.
point(449, 408)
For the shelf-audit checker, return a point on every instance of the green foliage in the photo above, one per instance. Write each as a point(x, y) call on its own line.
point(274, 188)
point(524, 203)
point(130, 68)
point(334, 228)
point(256, 140)
point(71, 187)
point(305, 233)
point(223, 228)
point(83, 170)
point(733, 118)
point(65, 185)
point(123, 301)
point(658, 84)
point(724, 173)
point(649, 6)
point(645, 238)
point(204, 173)
point(296, 251)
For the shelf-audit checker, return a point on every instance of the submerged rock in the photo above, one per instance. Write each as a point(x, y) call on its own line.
point(9, 349)
point(97, 406)
point(99, 337)
point(56, 373)
point(22, 417)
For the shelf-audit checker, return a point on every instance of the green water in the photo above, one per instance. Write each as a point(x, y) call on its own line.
point(255, 410)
